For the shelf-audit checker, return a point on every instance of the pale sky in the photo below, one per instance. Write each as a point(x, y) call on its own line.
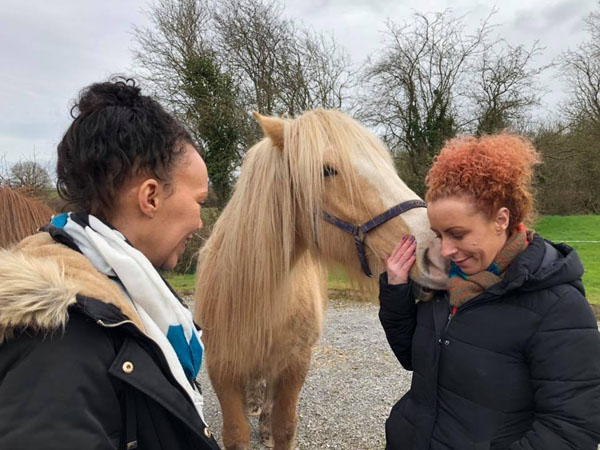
point(52, 49)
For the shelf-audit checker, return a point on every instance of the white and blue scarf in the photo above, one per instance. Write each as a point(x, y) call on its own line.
point(164, 317)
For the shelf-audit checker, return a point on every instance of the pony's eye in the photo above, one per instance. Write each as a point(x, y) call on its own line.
point(329, 171)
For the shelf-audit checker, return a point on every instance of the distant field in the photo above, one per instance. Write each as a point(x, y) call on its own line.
point(184, 283)
point(567, 229)
point(572, 230)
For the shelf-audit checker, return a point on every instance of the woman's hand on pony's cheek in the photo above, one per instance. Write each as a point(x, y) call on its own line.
point(401, 260)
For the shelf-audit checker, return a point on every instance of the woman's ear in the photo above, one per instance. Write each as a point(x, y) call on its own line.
point(502, 220)
point(149, 197)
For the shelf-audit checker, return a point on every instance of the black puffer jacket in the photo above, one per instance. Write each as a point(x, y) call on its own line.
point(75, 371)
point(517, 367)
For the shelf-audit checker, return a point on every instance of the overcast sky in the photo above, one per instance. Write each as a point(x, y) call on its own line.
point(51, 49)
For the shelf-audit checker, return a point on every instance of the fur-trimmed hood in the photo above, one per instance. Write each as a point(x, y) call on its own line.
point(40, 279)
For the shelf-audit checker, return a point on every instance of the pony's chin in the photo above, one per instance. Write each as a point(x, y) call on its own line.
point(438, 283)
point(431, 276)
point(430, 269)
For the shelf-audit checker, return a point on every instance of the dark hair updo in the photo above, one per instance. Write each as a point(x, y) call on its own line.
point(116, 133)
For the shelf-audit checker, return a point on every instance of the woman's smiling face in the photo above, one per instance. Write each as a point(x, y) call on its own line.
point(469, 237)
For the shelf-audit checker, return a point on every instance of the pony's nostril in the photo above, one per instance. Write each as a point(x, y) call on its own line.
point(426, 258)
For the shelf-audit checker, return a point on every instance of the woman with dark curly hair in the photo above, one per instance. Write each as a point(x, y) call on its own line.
point(509, 356)
point(96, 350)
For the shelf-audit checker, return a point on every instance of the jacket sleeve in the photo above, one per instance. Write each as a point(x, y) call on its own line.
point(398, 316)
point(55, 391)
point(564, 365)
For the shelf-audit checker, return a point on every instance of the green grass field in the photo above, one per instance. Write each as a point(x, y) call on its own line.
point(184, 283)
point(555, 228)
point(570, 229)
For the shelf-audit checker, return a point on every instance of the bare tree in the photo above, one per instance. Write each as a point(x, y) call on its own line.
point(581, 167)
point(313, 72)
point(29, 175)
point(581, 69)
point(412, 87)
point(177, 33)
point(281, 67)
point(506, 86)
point(251, 35)
point(4, 172)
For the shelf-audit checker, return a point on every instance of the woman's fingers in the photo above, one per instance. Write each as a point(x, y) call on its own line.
point(403, 250)
point(410, 261)
point(398, 249)
point(401, 260)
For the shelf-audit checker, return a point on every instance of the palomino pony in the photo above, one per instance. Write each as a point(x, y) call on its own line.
point(261, 278)
point(20, 216)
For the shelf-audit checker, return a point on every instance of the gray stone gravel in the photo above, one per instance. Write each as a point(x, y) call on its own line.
point(353, 382)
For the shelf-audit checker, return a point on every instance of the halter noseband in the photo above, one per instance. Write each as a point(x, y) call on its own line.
point(359, 232)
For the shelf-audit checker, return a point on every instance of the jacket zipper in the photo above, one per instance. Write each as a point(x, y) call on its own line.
point(450, 317)
point(113, 325)
point(455, 310)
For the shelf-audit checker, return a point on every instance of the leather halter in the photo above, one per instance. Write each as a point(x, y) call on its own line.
point(359, 232)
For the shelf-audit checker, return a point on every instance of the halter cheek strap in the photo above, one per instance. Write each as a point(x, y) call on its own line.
point(359, 232)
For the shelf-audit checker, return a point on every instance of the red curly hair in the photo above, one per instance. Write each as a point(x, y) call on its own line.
point(495, 171)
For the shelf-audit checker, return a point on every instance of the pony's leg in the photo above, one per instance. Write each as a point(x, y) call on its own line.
point(236, 431)
point(287, 390)
point(264, 421)
point(255, 397)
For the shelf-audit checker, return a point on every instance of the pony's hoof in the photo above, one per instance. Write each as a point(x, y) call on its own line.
point(254, 411)
point(268, 441)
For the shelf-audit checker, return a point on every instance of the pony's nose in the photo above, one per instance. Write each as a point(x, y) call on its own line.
point(434, 258)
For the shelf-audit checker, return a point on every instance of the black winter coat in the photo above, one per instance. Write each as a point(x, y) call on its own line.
point(99, 384)
point(517, 367)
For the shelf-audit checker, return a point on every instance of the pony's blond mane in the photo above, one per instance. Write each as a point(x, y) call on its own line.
point(243, 280)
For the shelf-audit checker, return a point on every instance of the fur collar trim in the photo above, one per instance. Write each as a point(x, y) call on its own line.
point(40, 279)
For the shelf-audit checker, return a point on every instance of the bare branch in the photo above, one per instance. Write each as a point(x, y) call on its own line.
point(413, 85)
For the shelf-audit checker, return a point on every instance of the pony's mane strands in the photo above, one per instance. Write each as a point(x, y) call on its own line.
point(244, 268)
point(20, 216)
point(247, 256)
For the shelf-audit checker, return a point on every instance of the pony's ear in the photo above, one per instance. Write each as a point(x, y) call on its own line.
point(272, 127)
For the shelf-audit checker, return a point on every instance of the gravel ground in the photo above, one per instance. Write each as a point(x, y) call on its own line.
point(353, 382)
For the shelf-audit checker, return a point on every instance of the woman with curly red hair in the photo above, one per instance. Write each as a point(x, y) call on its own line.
point(509, 356)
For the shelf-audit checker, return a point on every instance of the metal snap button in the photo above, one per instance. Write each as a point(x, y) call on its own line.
point(127, 367)
point(439, 341)
point(207, 433)
point(446, 342)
